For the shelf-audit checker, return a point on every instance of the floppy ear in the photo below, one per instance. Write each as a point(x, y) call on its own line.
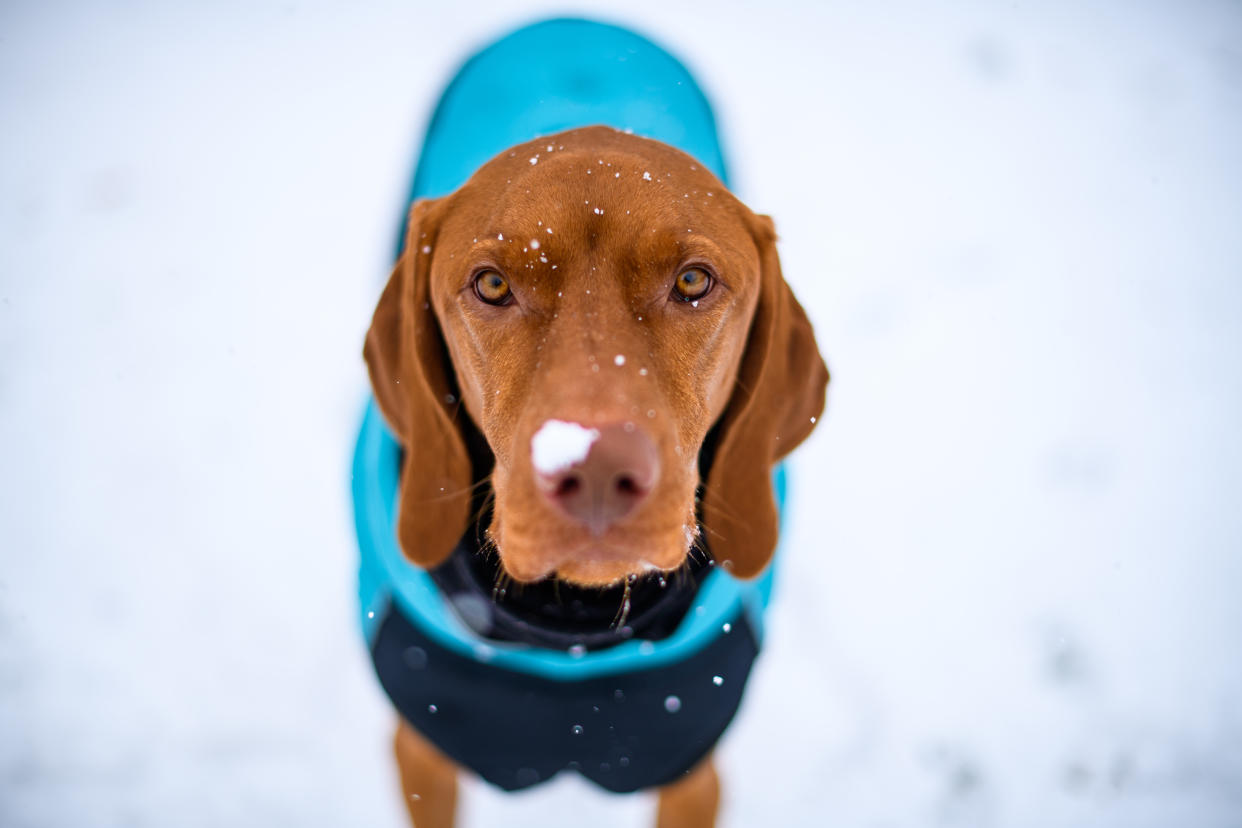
point(778, 397)
point(413, 382)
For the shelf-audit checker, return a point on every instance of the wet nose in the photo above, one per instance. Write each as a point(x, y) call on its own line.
point(600, 478)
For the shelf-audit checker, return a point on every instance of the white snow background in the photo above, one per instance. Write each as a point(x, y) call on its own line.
point(1011, 585)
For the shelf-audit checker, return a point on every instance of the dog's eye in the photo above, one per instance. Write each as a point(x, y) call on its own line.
point(491, 287)
point(692, 284)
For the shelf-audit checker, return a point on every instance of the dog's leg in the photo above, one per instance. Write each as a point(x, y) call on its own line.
point(428, 779)
point(691, 801)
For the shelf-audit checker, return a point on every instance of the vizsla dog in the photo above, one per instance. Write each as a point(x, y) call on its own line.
point(596, 334)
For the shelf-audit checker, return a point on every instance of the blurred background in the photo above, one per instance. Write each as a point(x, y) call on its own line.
point(1012, 580)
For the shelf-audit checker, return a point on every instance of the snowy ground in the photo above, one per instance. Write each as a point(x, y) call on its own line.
point(1011, 593)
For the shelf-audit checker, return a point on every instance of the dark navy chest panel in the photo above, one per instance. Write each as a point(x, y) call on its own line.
point(625, 732)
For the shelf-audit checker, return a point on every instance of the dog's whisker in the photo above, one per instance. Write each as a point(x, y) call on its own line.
point(682, 572)
point(487, 548)
point(449, 495)
point(488, 500)
point(721, 506)
point(623, 612)
point(500, 585)
point(696, 550)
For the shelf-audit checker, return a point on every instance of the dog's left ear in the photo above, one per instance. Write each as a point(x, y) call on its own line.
point(414, 388)
point(778, 398)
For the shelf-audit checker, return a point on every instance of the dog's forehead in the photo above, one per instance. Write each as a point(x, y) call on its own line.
point(591, 148)
point(592, 181)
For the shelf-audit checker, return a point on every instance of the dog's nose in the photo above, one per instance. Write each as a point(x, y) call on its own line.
point(602, 477)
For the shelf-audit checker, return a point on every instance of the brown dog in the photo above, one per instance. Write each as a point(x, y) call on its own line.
point(615, 326)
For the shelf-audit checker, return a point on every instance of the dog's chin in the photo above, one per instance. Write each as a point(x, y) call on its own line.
point(590, 563)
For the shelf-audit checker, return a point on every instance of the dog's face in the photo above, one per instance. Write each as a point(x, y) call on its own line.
point(594, 295)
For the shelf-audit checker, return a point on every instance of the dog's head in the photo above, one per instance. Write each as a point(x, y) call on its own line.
point(615, 326)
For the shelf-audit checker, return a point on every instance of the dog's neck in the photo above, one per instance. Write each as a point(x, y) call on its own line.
point(559, 615)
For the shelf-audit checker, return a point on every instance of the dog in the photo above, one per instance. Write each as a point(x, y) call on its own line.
point(589, 352)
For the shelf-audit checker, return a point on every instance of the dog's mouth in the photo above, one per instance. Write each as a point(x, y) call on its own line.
point(559, 614)
point(572, 557)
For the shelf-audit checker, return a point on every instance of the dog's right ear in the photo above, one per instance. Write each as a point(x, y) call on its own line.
point(414, 388)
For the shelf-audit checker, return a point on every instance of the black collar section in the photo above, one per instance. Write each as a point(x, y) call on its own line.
point(558, 615)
